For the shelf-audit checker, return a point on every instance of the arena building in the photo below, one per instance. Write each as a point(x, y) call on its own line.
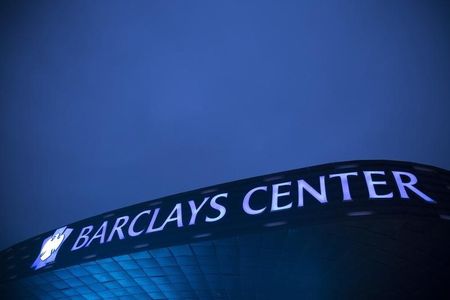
point(357, 229)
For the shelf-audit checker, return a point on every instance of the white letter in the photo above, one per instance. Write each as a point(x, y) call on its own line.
point(83, 235)
point(99, 234)
point(246, 204)
point(131, 231)
point(222, 210)
point(276, 194)
point(371, 184)
point(344, 184)
point(152, 222)
point(195, 210)
point(118, 227)
point(303, 185)
point(410, 185)
point(175, 211)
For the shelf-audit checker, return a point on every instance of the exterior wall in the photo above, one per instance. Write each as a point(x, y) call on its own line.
point(404, 199)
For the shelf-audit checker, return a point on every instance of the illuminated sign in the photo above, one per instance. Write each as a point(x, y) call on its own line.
point(290, 199)
point(280, 197)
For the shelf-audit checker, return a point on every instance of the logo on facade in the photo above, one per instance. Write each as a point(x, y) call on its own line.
point(50, 247)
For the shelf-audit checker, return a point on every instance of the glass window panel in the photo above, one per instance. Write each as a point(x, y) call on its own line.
point(166, 261)
point(111, 266)
point(105, 294)
point(185, 260)
point(97, 287)
point(70, 292)
point(157, 295)
point(83, 290)
point(141, 255)
point(88, 279)
point(136, 273)
point(122, 258)
point(103, 277)
point(94, 269)
point(63, 274)
point(119, 292)
point(154, 271)
point(78, 271)
point(148, 263)
point(163, 252)
point(126, 282)
point(181, 250)
point(128, 265)
point(118, 275)
point(160, 280)
point(74, 282)
point(112, 285)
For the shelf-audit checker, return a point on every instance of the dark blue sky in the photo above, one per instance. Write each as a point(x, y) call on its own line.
point(106, 104)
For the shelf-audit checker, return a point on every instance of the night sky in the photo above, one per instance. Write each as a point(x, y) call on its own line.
point(107, 104)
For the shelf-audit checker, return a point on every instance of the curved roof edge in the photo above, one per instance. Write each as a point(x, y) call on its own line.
point(311, 195)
